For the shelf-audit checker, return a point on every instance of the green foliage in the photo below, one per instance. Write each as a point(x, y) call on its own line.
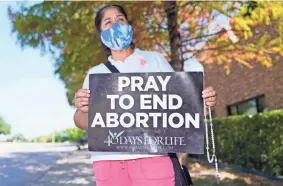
point(18, 138)
point(253, 142)
point(65, 29)
point(42, 139)
point(72, 135)
point(260, 23)
point(5, 128)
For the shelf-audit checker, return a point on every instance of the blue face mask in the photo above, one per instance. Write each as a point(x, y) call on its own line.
point(118, 37)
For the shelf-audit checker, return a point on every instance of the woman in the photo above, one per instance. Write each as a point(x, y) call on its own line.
point(123, 169)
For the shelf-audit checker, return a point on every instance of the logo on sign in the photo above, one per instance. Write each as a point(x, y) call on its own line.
point(117, 139)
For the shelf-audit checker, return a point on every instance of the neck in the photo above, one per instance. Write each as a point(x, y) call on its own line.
point(121, 55)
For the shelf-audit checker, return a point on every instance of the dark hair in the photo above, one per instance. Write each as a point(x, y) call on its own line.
point(105, 50)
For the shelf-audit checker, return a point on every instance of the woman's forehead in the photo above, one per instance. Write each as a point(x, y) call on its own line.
point(111, 13)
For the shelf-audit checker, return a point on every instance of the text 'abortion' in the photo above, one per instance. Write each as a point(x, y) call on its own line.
point(127, 120)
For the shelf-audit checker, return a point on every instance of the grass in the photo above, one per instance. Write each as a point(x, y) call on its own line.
point(204, 175)
point(210, 181)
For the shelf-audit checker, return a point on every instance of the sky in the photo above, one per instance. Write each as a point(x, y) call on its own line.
point(32, 99)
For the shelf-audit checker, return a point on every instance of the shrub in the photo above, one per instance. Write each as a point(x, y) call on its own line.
point(253, 142)
point(72, 135)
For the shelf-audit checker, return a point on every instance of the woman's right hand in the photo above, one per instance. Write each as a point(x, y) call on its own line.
point(82, 99)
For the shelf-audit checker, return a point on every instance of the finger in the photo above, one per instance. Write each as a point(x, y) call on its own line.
point(82, 99)
point(84, 109)
point(83, 90)
point(82, 94)
point(209, 94)
point(210, 99)
point(82, 104)
point(208, 89)
point(86, 90)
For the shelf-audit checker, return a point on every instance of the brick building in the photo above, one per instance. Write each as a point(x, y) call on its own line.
point(246, 91)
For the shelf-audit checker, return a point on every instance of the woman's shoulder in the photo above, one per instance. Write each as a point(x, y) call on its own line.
point(193, 66)
point(150, 54)
point(189, 65)
point(158, 59)
point(98, 69)
point(147, 52)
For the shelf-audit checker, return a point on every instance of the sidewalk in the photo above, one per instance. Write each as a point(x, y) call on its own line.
point(74, 169)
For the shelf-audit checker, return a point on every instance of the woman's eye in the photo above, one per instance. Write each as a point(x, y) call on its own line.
point(122, 20)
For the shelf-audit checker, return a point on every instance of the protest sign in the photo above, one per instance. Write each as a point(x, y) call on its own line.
point(146, 112)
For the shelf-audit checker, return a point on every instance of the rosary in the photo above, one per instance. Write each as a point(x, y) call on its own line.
point(213, 157)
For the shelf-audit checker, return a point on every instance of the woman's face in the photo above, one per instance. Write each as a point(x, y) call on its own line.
point(111, 15)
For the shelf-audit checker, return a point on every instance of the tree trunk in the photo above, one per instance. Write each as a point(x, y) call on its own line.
point(177, 61)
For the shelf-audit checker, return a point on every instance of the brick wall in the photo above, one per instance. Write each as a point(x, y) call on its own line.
point(244, 83)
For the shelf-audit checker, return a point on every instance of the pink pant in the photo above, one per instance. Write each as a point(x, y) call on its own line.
point(155, 171)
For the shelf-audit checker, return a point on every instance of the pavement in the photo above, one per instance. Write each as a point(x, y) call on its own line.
point(28, 164)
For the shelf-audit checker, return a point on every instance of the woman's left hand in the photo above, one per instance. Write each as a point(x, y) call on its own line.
point(209, 95)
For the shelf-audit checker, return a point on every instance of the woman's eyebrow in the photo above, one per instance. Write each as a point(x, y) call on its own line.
point(106, 19)
point(109, 18)
point(120, 15)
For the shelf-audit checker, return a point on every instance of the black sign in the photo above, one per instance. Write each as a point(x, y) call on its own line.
point(146, 112)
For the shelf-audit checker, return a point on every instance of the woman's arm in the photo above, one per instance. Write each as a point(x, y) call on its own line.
point(81, 103)
point(81, 119)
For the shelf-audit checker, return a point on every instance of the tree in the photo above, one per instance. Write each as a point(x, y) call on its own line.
point(71, 135)
point(174, 35)
point(5, 128)
point(258, 27)
point(18, 138)
point(65, 29)
point(42, 139)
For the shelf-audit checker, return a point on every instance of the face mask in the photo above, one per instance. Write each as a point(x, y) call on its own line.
point(118, 37)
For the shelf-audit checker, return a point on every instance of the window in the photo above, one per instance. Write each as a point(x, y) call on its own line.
point(248, 107)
